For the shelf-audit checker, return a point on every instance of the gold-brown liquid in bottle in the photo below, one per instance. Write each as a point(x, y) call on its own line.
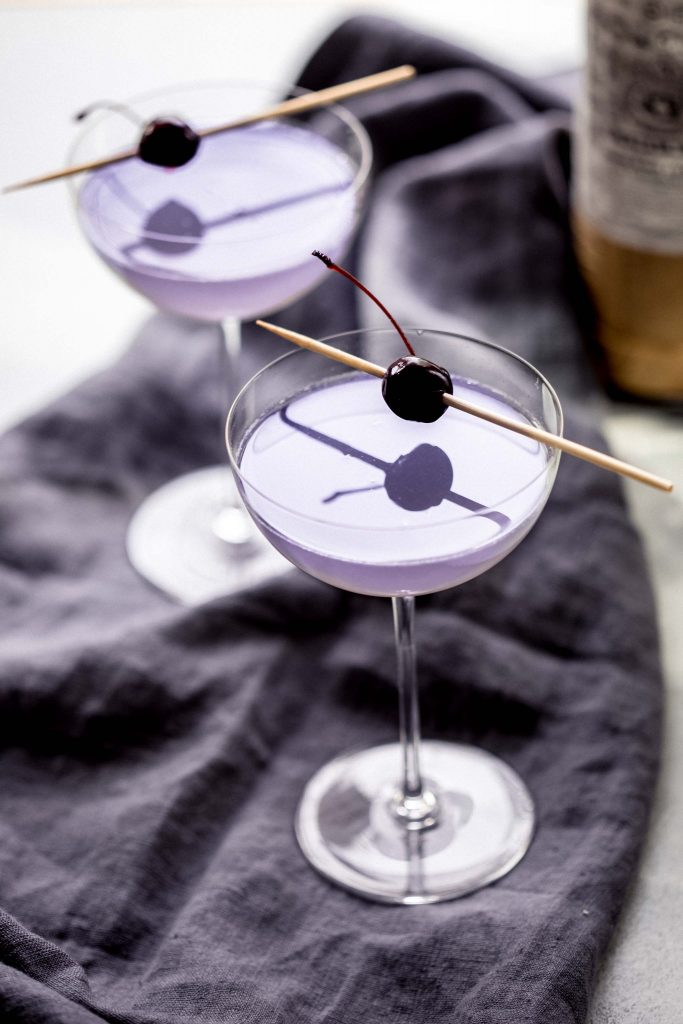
point(628, 191)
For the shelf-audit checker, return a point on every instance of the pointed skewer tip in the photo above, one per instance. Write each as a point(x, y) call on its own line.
point(596, 458)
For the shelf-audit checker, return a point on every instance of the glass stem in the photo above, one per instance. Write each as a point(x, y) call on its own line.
point(230, 366)
point(414, 805)
point(231, 524)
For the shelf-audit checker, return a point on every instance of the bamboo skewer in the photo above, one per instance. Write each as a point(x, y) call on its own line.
point(322, 98)
point(581, 451)
point(296, 105)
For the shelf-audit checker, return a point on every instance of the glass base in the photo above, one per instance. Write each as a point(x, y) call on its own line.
point(193, 540)
point(349, 828)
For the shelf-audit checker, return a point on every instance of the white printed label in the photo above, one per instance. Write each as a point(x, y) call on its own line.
point(629, 127)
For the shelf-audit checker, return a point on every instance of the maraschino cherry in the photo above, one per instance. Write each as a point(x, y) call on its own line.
point(168, 142)
point(412, 387)
point(165, 141)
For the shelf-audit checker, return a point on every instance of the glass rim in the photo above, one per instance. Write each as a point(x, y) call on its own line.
point(549, 467)
point(76, 182)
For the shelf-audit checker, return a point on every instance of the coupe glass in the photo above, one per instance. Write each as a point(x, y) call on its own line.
point(225, 238)
point(378, 505)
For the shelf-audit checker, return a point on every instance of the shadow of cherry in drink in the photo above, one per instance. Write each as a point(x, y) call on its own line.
point(173, 229)
point(416, 481)
point(419, 480)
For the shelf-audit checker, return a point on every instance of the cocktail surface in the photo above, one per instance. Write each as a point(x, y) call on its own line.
point(379, 505)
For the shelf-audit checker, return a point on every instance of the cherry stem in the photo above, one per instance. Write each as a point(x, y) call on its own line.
point(331, 265)
point(118, 108)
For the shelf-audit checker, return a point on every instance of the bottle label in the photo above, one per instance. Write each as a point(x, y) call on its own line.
point(629, 128)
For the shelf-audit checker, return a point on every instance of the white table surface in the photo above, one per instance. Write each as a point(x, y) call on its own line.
point(64, 315)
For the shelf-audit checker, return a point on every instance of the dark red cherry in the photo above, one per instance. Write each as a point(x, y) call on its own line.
point(168, 142)
point(413, 388)
point(421, 479)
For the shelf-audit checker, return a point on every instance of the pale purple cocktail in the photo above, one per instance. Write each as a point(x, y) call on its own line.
point(221, 239)
point(381, 505)
point(230, 233)
point(378, 505)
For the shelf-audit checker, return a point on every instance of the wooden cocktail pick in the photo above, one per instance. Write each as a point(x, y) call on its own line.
point(536, 433)
point(296, 105)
